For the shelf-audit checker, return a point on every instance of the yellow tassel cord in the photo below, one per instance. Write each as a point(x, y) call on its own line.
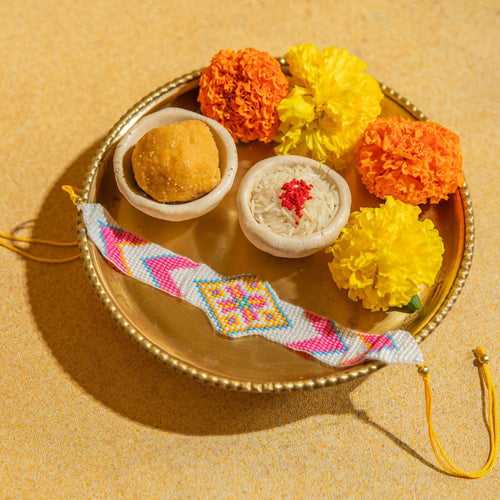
point(444, 460)
point(72, 194)
point(36, 241)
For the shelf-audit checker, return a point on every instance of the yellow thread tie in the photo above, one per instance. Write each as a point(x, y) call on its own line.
point(36, 258)
point(72, 194)
point(444, 460)
point(37, 241)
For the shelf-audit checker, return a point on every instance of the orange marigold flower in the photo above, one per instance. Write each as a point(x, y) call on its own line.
point(241, 90)
point(414, 161)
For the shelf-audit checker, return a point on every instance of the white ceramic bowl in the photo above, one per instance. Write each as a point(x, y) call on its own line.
point(228, 164)
point(290, 246)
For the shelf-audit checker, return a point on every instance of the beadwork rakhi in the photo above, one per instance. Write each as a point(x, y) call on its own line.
point(244, 305)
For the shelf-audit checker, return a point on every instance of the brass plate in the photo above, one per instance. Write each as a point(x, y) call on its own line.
point(180, 334)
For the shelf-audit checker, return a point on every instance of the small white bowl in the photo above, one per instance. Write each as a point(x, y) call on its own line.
point(290, 246)
point(228, 164)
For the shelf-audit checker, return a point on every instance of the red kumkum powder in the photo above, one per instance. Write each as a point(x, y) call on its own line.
point(294, 195)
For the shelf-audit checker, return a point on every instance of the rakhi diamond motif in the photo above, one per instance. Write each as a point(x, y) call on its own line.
point(241, 305)
point(245, 305)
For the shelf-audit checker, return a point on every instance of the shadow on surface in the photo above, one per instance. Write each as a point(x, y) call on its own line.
point(118, 373)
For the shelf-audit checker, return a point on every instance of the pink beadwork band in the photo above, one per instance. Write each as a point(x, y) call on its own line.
point(239, 306)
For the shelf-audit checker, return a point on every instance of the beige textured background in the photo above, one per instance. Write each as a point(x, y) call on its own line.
point(83, 411)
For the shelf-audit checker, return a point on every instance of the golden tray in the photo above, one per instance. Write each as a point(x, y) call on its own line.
point(180, 335)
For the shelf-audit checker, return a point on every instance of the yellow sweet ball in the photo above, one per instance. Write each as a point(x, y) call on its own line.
point(177, 162)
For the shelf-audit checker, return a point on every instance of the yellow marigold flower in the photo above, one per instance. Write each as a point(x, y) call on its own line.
point(331, 103)
point(384, 254)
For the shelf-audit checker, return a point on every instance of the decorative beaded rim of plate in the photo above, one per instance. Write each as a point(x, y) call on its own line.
point(233, 384)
